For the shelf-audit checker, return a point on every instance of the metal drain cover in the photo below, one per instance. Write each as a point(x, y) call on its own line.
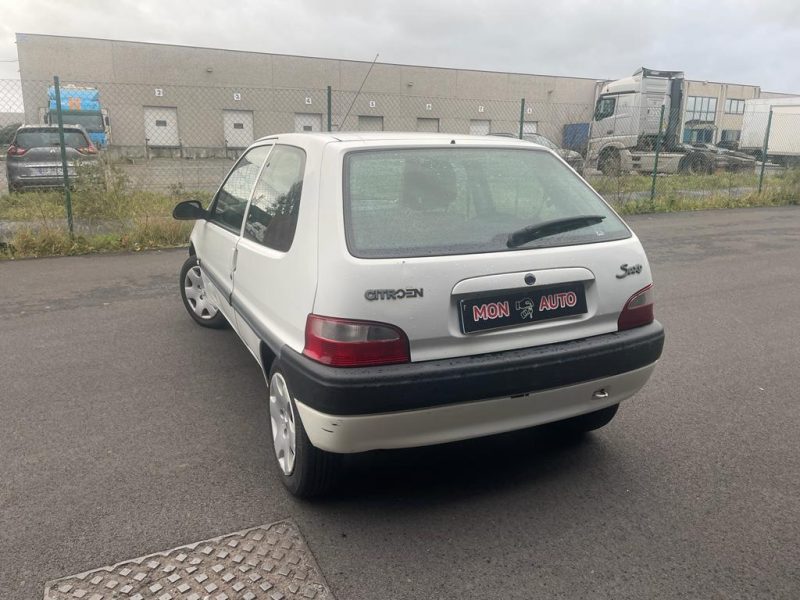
point(269, 562)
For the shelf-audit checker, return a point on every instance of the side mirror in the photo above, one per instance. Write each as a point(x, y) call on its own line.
point(189, 210)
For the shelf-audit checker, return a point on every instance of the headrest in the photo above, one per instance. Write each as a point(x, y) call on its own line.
point(428, 184)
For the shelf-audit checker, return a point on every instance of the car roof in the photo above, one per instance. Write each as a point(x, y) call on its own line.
point(47, 126)
point(379, 137)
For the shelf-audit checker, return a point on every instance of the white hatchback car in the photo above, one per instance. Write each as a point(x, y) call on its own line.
point(403, 289)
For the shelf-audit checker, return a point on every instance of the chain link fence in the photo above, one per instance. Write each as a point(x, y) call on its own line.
point(159, 144)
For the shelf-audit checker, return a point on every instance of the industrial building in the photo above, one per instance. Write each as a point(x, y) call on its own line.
point(202, 102)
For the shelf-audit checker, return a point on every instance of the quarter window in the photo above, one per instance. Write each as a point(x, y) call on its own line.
point(272, 218)
point(231, 200)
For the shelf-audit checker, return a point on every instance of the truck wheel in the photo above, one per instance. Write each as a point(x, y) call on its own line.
point(306, 471)
point(590, 421)
point(195, 300)
point(609, 163)
point(695, 164)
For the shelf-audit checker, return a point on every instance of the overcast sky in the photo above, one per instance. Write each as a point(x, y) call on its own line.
point(752, 42)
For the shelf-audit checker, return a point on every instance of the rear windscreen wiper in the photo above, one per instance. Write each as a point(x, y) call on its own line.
point(547, 228)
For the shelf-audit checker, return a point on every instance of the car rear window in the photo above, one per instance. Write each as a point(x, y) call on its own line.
point(41, 138)
point(442, 201)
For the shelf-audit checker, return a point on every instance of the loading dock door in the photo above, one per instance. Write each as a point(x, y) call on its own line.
point(307, 122)
point(370, 123)
point(161, 126)
point(479, 127)
point(427, 124)
point(238, 125)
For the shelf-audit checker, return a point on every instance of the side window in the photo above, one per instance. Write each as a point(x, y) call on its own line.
point(272, 219)
point(231, 201)
point(605, 107)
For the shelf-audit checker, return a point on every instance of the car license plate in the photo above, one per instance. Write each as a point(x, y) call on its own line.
point(47, 171)
point(515, 308)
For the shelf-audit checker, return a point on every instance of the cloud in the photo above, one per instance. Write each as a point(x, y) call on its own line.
point(733, 41)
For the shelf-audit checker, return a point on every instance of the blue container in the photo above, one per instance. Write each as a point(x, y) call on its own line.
point(576, 136)
point(75, 98)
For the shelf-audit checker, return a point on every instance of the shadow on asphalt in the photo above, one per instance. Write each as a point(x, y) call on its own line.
point(449, 472)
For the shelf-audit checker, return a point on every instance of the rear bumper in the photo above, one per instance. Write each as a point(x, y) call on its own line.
point(436, 383)
point(427, 426)
point(36, 182)
point(24, 179)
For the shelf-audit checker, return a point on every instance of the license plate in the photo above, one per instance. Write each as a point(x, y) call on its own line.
point(47, 171)
point(513, 309)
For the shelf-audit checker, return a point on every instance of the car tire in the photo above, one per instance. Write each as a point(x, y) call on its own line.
point(305, 470)
point(591, 421)
point(195, 300)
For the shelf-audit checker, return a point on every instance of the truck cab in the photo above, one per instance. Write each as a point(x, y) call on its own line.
point(627, 119)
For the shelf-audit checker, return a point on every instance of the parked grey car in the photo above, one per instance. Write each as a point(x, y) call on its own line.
point(572, 158)
point(33, 159)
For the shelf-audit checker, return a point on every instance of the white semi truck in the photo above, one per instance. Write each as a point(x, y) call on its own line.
point(626, 124)
point(783, 145)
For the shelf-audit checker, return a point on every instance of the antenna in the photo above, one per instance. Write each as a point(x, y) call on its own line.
point(347, 114)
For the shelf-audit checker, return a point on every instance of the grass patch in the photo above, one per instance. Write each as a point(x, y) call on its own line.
point(671, 196)
point(142, 234)
point(90, 206)
point(109, 215)
point(629, 183)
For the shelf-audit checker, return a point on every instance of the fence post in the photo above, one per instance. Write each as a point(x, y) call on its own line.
point(658, 149)
point(67, 193)
point(521, 116)
point(764, 151)
point(330, 103)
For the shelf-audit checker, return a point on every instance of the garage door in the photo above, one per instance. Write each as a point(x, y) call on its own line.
point(307, 122)
point(479, 127)
point(427, 124)
point(370, 123)
point(161, 126)
point(238, 126)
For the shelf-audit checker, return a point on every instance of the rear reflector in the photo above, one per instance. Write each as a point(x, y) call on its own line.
point(347, 343)
point(638, 310)
point(88, 150)
point(16, 151)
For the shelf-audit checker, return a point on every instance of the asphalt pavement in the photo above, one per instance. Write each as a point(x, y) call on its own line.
point(125, 429)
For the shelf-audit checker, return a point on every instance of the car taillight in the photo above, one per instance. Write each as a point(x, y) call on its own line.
point(347, 343)
point(16, 151)
point(88, 150)
point(638, 310)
